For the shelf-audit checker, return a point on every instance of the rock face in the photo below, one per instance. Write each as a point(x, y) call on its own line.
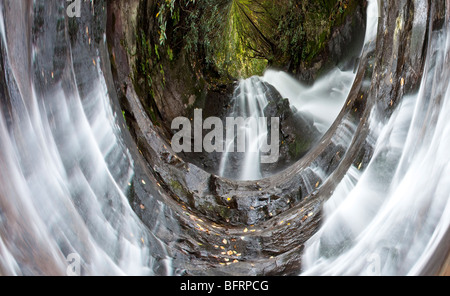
point(169, 82)
point(328, 44)
point(176, 60)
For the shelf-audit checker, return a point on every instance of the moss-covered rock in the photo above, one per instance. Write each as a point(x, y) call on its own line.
point(240, 38)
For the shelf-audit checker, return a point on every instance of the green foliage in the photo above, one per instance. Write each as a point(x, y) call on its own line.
point(157, 52)
point(170, 54)
point(247, 49)
point(292, 41)
point(319, 20)
point(220, 30)
point(146, 59)
point(240, 38)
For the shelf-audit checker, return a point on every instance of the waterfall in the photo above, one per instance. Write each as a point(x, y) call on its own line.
point(321, 102)
point(395, 215)
point(64, 167)
point(249, 101)
point(79, 195)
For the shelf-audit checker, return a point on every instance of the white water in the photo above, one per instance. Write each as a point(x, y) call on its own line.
point(326, 97)
point(63, 171)
point(249, 102)
point(322, 102)
point(392, 218)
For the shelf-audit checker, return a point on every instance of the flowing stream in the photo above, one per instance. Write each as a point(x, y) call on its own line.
point(67, 165)
point(249, 101)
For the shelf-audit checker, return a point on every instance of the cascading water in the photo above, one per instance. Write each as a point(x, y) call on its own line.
point(64, 169)
point(321, 103)
point(74, 185)
point(249, 102)
point(392, 218)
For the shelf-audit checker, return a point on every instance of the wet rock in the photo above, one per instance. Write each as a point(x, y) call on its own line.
point(268, 221)
point(297, 132)
point(341, 41)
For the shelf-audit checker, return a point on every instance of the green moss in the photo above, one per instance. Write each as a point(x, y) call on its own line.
point(203, 45)
point(224, 212)
point(237, 56)
point(240, 38)
point(170, 54)
point(177, 188)
point(147, 65)
point(319, 22)
point(248, 35)
point(299, 148)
